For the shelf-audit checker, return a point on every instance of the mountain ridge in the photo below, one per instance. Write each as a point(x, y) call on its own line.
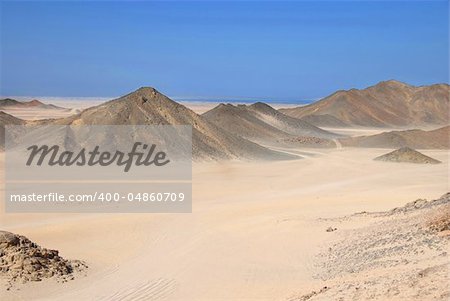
point(147, 105)
point(261, 122)
point(8, 103)
point(418, 139)
point(387, 104)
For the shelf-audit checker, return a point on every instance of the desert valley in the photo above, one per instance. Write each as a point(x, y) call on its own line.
point(342, 199)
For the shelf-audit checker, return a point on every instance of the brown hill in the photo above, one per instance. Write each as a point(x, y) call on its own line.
point(6, 119)
point(435, 139)
point(387, 104)
point(407, 155)
point(148, 106)
point(261, 122)
point(325, 121)
point(9, 103)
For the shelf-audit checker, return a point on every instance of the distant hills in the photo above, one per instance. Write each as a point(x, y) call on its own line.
point(435, 139)
point(386, 104)
point(236, 131)
point(261, 122)
point(8, 103)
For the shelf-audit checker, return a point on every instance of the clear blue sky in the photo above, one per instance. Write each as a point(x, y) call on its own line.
point(279, 50)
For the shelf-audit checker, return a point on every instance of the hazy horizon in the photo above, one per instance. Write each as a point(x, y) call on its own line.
point(200, 99)
point(193, 99)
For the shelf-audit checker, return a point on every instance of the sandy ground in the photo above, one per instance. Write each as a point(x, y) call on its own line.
point(356, 131)
point(254, 234)
point(37, 113)
point(400, 254)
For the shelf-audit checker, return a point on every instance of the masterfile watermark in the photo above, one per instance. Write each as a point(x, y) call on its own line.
point(149, 156)
point(127, 168)
point(99, 197)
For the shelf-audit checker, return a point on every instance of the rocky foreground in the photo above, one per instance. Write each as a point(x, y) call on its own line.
point(401, 254)
point(21, 260)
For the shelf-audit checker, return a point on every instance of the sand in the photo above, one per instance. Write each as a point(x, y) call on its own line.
point(37, 113)
point(254, 234)
point(382, 255)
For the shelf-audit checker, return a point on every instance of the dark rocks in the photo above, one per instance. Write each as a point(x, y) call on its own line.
point(21, 260)
point(8, 239)
point(331, 229)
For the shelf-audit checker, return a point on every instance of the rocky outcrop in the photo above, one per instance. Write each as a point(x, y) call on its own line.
point(21, 260)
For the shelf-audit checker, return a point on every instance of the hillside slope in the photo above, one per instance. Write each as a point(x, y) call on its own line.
point(407, 155)
point(435, 139)
point(147, 106)
point(261, 122)
point(387, 104)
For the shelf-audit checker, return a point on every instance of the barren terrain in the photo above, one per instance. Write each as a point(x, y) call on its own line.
point(258, 231)
point(251, 236)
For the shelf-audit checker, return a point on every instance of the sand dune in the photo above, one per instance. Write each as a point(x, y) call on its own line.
point(387, 104)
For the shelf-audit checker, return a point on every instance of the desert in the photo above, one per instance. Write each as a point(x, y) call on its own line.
point(224, 151)
point(279, 223)
point(296, 223)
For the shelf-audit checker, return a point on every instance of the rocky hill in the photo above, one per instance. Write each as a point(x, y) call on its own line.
point(147, 106)
point(386, 104)
point(21, 260)
point(9, 103)
point(434, 139)
point(407, 155)
point(261, 122)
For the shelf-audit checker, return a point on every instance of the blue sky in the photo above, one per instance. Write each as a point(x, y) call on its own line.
point(270, 50)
